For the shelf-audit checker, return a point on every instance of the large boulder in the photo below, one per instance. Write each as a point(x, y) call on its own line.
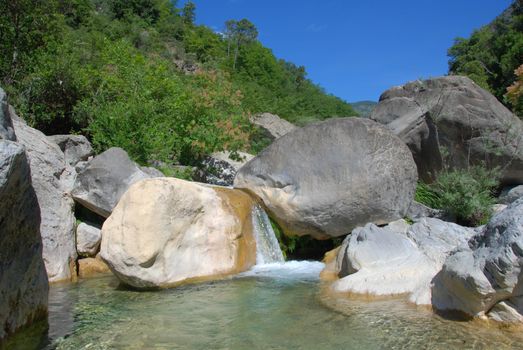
point(168, 231)
point(51, 177)
point(272, 125)
point(220, 168)
point(398, 259)
point(23, 281)
point(485, 277)
point(327, 178)
point(76, 148)
point(451, 121)
point(105, 179)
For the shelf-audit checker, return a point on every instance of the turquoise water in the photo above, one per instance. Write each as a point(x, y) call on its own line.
point(278, 306)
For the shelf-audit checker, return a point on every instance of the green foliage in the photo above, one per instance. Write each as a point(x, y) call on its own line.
point(465, 194)
point(108, 69)
point(492, 53)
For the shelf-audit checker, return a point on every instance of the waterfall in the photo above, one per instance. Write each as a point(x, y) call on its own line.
point(267, 246)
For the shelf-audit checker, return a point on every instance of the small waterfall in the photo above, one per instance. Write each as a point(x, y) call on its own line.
point(267, 246)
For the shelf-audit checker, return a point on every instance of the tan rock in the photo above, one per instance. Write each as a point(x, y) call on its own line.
point(167, 231)
point(330, 271)
point(90, 267)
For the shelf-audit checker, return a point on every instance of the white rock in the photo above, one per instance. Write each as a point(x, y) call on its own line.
point(88, 239)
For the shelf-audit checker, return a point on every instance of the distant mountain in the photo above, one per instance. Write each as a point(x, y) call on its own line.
point(364, 108)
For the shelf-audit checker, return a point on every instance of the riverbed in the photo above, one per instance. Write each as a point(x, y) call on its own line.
point(273, 306)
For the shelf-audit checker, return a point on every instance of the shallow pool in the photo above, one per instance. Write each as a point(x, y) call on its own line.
point(278, 306)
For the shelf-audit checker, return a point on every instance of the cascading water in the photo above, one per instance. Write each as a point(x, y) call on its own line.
point(267, 247)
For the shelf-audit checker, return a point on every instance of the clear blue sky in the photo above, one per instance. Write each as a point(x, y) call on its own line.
point(356, 49)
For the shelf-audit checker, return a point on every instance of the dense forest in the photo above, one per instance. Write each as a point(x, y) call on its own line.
point(492, 55)
point(140, 74)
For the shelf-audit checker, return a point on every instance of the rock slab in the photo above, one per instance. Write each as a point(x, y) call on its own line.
point(167, 231)
point(88, 239)
point(398, 259)
point(51, 177)
point(23, 280)
point(485, 278)
point(325, 179)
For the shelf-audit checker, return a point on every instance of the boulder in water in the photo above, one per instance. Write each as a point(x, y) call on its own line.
point(23, 281)
point(484, 278)
point(396, 259)
point(327, 178)
point(51, 178)
point(167, 231)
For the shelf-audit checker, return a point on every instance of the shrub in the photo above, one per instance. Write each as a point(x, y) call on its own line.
point(465, 194)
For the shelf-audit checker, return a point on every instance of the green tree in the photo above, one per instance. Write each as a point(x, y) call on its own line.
point(189, 13)
point(239, 33)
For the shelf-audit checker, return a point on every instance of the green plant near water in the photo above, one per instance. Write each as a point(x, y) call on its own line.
point(465, 194)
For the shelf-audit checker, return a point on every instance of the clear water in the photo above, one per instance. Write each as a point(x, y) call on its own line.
point(267, 246)
point(275, 306)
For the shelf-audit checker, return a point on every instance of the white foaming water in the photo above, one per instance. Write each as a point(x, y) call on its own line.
point(267, 246)
point(295, 270)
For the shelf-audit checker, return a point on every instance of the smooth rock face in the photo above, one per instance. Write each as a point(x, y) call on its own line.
point(167, 231)
point(273, 125)
point(511, 194)
point(485, 277)
point(327, 178)
point(51, 177)
point(88, 239)
point(220, 169)
point(456, 115)
point(397, 259)
point(75, 147)
point(23, 281)
point(105, 179)
point(6, 124)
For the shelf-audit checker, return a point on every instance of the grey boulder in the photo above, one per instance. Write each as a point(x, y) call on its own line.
point(327, 178)
point(76, 148)
point(23, 281)
point(484, 278)
point(51, 179)
point(272, 125)
point(88, 238)
point(105, 179)
point(398, 259)
point(451, 121)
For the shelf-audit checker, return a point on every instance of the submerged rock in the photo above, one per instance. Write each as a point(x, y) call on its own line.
point(90, 267)
point(396, 259)
point(484, 278)
point(451, 121)
point(23, 280)
point(105, 179)
point(327, 178)
point(167, 231)
point(51, 178)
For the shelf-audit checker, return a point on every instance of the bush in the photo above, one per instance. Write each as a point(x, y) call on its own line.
point(465, 194)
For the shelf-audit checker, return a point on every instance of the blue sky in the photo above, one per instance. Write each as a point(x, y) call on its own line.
point(356, 49)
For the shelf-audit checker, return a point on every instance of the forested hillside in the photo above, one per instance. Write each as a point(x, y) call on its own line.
point(491, 56)
point(141, 75)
